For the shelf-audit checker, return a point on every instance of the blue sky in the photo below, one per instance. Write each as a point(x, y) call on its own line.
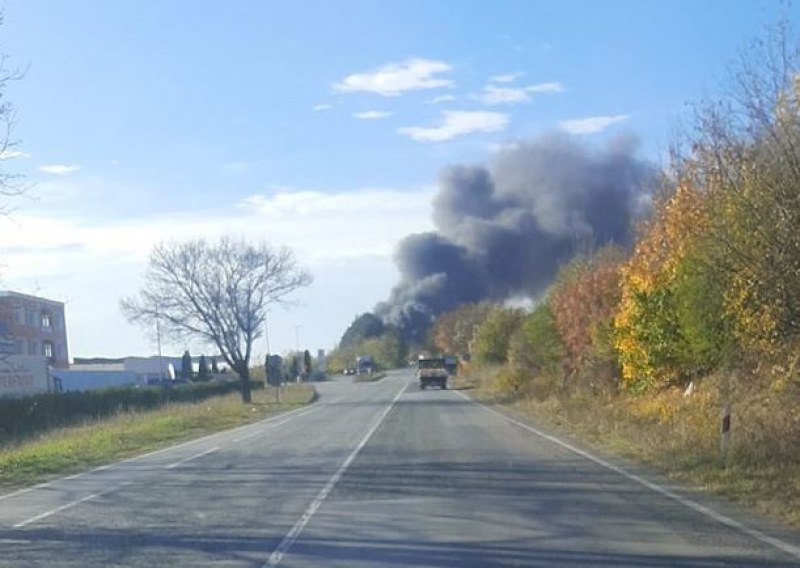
point(317, 125)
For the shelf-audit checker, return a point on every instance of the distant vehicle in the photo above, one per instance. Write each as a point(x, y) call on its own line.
point(349, 371)
point(365, 364)
point(432, 371)
point(451, 364)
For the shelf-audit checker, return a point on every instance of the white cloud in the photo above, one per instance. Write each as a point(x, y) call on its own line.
point(372, 114)
point(591, 124)
point(346, 238)
point(506, 146)
point(552, 87)
point(505, 78)
point(311, 222)
point(59, 169)
point(396, 78)
point(11, 154)
point(323, 106)
point(442, 99)
point(457, 123)
point(494, 95)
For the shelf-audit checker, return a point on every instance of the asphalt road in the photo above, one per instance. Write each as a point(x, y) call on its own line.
point(379, 474)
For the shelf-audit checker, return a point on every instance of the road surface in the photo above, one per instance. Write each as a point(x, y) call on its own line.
point(378, 474)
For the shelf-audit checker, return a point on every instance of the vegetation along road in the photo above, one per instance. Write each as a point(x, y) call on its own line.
point(379, 474)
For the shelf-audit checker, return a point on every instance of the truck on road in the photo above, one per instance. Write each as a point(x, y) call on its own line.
point(432, 371)
point(365, 364)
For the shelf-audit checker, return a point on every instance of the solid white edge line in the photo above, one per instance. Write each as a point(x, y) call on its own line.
point(66, 506)
point(52, 482)
point(685, 501)
point(190, 458)
point(291, 537)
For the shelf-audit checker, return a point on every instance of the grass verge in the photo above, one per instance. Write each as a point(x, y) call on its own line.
point(679, 436)
point(370, 378)
point(76, 448)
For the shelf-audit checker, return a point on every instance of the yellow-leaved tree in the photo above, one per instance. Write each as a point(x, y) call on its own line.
point(669, 325)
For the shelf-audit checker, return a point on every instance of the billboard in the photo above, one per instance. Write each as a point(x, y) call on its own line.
point(23, 375)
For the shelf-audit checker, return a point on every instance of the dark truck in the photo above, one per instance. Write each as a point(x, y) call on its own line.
point(432, 371)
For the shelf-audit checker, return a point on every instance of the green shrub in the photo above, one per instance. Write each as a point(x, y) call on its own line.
point(24, 417)
point(493, 336)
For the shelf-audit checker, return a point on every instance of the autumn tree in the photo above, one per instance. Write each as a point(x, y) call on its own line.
point(453, 332)
point(716, 270)
point(583, 302)
point(217, 293)
point(536, 348)
point(671, 324)
point(745, 156)
point(493, 337)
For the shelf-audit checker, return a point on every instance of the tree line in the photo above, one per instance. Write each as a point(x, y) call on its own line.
point(712, 282)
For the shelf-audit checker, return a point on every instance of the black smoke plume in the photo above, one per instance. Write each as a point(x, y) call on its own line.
point(502, 231)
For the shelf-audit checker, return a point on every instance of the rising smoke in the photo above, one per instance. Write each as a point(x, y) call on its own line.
point(503, 231)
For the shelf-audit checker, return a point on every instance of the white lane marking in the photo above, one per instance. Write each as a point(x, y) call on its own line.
point(190, 458)
point(68, 505)
point(262, 431)
point(272, 425)
point(52, 482)
point(289, 540)
point(685, 501)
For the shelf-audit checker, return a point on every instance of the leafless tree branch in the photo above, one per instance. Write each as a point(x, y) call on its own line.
point(218, 293)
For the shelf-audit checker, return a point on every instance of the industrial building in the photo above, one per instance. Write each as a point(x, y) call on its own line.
point(33, 326)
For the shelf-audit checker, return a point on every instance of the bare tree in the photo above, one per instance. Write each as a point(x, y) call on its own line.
point(217, 293)
point(10, 185)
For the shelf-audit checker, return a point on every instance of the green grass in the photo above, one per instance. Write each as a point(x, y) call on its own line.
point(76, 448)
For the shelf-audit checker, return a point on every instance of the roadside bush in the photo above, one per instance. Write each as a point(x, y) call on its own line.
point(583, 302)
point(535, 357)
point(493, 336)
point(24, 417)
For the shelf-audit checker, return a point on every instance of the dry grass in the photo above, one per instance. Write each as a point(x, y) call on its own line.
point(76, 448)
point(680, 435)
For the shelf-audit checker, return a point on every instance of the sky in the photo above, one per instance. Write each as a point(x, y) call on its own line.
point(321, 126)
